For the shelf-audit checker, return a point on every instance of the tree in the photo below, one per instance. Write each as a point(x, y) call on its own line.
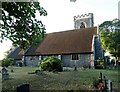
point(7, 62)
point(19, 23)
point(110, 37)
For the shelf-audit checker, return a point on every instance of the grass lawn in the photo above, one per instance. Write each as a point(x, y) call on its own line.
point(66, 80)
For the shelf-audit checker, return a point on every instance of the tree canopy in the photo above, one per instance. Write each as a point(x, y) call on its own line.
point(110, 36)
point(19, 23)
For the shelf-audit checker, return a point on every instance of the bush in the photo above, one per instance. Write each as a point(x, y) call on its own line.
point(7, 62)
point(95, 82)
point(51, 64)
point(100, 61)
point(100, 64)
point(99, 67)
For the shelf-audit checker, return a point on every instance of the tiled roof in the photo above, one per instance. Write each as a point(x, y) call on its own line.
point(31, 50)
point(16, 54)
point(66, 42)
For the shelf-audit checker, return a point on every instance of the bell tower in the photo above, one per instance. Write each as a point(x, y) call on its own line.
point(83, 21)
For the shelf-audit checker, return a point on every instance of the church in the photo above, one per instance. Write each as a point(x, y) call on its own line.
point(79, 47)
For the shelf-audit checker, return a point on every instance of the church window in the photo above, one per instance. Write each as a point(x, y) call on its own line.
point(75, 57)
point(82, 25)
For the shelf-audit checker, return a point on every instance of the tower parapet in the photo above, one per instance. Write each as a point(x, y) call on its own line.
point(83, 21)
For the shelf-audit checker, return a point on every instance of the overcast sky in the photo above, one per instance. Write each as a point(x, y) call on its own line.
point(61, 13)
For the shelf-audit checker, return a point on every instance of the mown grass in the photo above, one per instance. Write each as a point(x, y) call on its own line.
point(81, 79)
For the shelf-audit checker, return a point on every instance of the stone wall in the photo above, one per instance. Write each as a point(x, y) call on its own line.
point(66, 60)
point(32, 60)
point(87, 19)
point(85, 60)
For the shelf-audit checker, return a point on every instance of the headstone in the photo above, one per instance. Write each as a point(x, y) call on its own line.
point(110, 85)
point(4, 74)
point(20, 64)
point(75, 68)
point(100, 77)
point(105, 83)
point(37, 71)
point(23, 88)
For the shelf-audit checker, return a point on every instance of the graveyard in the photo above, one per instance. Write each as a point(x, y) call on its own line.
point(76, 46)
point(69, 79)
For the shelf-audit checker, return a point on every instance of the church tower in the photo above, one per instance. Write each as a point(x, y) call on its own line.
point(83, 21)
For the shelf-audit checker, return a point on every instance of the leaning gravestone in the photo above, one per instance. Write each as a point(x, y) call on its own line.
point(4, 74)
point(37, 72)
point(23, 88)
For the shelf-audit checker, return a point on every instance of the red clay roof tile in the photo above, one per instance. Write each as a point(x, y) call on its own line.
point(66, 42)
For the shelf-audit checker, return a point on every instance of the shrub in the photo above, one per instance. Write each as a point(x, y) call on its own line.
point(100, 64)
point(95, 82)
point(99, 67)
point(7, 62)
point(51, 64)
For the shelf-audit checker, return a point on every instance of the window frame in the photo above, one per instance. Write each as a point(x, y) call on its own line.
point(75, 57)
point(82, 25)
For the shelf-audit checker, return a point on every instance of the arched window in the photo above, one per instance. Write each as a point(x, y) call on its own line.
point(82, 25)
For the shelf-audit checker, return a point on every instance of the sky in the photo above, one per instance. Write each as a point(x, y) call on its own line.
point(61, 13)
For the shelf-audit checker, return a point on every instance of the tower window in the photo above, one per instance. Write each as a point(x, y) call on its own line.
point(82, 25)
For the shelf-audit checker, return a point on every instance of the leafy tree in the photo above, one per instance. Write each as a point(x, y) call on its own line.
point(19, 23)
point(110, 37)
point(7, 62)
point(8, 51)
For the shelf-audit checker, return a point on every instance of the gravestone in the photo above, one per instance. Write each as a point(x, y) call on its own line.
point(75, 68)
point(105, 84)
point(4, 74)
point(100, 77)
point(23, 88)
point(37, 72)
point(20, 64)
point(110, 85)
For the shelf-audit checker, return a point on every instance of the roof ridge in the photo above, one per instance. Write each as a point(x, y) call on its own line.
point(72, 30)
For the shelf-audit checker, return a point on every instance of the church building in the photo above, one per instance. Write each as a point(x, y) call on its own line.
point(79, 47)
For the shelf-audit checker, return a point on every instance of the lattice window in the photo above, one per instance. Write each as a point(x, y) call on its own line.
point(75, 57)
